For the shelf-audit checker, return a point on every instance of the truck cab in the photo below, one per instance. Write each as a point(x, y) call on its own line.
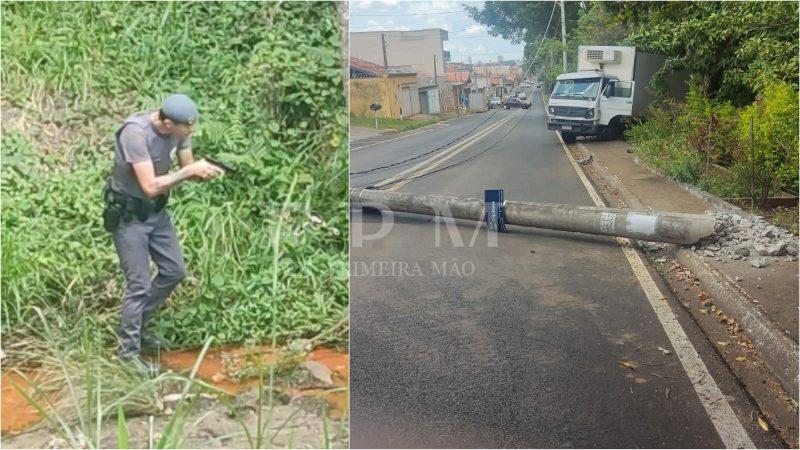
point(599, 98)
point(589, 103)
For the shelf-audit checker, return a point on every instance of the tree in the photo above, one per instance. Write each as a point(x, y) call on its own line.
point(735, 48)
point(525, 22)
point(599, 25)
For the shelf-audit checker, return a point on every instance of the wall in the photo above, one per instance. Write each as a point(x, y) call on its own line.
point(414, 48)
point(477, 102)
point(385, 91)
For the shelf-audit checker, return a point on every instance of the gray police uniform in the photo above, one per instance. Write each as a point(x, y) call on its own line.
point(138, 241)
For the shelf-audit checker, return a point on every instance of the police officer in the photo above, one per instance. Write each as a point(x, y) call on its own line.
point(135, 197)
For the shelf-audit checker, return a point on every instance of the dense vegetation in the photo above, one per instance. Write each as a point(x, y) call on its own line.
point(266, 248)
point(742, 58)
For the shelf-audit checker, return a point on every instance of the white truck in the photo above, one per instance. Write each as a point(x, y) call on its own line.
point(610, 87)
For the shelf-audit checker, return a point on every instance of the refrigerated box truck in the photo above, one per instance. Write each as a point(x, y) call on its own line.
point(611, 87)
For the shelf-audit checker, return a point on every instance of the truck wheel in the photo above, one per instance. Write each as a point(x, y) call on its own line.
point(613, 131)
point(568, 137)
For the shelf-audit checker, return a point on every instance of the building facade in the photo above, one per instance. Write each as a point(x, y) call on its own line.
point(395, 89)
point(421, 49)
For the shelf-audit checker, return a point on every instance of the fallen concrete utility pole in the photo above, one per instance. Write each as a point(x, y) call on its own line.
point(675, 228)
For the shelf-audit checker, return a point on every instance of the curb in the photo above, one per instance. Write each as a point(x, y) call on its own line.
point(778, 351)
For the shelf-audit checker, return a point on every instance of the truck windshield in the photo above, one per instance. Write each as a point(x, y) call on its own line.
point(577, 89)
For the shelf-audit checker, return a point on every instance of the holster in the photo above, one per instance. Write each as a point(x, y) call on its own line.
point(121, 207)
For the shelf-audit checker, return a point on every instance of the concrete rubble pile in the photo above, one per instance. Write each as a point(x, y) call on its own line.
point(754, 240)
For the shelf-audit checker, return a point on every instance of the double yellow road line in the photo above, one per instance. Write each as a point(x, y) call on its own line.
point(426, 166)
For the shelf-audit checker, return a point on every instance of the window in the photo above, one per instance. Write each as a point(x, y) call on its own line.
point(622, 89)
point(577, 89)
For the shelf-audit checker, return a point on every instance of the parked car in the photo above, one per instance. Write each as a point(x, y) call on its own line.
point(495, 102)
point(521, 95)
point(516, 103)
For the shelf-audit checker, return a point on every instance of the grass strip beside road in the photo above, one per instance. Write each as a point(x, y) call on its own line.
point(394, 124)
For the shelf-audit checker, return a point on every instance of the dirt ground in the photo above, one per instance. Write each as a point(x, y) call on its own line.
point(300, 423)
point(309, 410)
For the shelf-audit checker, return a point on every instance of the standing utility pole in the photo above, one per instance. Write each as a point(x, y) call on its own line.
point(564, 35)
point(383, 48)
point(434, 70)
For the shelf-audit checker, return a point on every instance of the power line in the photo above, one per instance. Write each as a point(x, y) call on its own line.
point(544, 36)
point(406, 14)
point(442, 169)
point(470, 37)
point(497, 53)
point(418, 31)
point(384, 167)
point(388, 166)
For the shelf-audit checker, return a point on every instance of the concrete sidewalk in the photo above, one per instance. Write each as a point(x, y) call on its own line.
point(729, 298)
point(360, 133)
point(774, 287)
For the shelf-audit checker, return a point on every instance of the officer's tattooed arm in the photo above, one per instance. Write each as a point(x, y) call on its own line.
point(153, 186)
point(185, 157)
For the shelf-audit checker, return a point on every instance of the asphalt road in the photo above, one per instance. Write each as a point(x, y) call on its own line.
point(461, 342)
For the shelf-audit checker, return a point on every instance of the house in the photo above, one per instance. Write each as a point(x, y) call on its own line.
point(459, 82)
point(394, 88)
point(430, 95)
point(422, 50)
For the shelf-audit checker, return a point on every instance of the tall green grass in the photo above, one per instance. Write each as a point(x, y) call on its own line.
point(266, 249)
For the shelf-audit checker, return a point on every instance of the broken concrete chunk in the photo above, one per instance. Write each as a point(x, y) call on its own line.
point(776, 249)
point(759, 262)
point(741, 250)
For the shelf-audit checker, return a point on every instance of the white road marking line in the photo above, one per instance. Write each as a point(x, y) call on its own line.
point(466, 145)
point(728, 427)
point(433, 126)
point(583, 147)
point(457, 148)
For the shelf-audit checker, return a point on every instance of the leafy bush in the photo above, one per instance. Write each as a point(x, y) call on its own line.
point(662, 142)
point(694, 141)
point(266, 248)
point(768, 157)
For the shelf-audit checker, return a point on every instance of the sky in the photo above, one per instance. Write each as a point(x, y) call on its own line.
point(466, 36)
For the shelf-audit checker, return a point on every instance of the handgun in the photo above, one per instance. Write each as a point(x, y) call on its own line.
point(220, 164)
